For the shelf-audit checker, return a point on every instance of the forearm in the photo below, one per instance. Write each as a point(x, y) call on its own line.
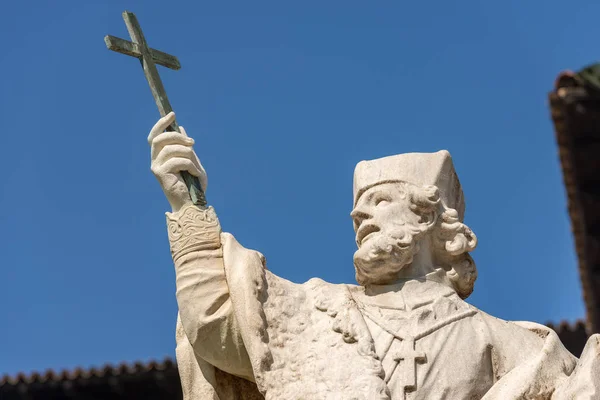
point(202, 291)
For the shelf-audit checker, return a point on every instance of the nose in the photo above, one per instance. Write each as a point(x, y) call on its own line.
point(359, 215)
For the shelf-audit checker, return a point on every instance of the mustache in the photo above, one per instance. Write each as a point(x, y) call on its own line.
point(387, 245)
point(404, 236)
point(364, 231)
point(400, 234)
point(384, 254)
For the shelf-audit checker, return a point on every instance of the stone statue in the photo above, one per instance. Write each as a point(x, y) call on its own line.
point(404, 333)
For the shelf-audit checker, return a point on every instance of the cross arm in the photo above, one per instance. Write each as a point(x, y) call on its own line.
point(132, 49)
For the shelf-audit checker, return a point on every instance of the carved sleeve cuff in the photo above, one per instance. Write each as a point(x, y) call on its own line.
point(193, 229)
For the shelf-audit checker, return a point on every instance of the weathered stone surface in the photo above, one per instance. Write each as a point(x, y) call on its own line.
point(405, 332)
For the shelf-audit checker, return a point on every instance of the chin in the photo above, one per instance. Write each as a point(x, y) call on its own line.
point(380, 270)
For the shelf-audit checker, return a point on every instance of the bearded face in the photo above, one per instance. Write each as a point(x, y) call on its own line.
point(386, 233)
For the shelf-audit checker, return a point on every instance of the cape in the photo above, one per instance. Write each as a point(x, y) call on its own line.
point(311, 341)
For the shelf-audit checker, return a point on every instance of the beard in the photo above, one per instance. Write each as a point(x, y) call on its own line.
point(383, 255)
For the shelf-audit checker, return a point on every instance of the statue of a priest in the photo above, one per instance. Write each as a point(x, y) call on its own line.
point(405, 332)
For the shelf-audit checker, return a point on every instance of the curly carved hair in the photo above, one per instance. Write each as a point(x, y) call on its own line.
point(452, 239)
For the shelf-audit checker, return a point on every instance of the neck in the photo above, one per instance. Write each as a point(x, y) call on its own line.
point(421, 265)
point(438, 276)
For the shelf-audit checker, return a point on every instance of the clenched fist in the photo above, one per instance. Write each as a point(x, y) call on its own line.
point(171, 153)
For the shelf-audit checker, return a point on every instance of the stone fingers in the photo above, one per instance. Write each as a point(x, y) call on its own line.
point(168, 139)
point(183, 136)
point(176, 165)
point(172, 152)
point(177, 151)
point(160, 126)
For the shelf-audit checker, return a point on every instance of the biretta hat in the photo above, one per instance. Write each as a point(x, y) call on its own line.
point(421, 169)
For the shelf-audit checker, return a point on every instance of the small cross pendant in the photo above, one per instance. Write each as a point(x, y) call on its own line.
point(408, 358)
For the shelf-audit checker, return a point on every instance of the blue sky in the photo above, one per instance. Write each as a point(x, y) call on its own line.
point(283, 99)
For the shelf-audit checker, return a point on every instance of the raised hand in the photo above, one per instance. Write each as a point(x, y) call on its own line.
point(171, 153)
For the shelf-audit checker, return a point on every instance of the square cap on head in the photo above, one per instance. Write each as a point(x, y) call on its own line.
point(421, 169)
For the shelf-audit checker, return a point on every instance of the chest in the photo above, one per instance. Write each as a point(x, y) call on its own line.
point(447, 359)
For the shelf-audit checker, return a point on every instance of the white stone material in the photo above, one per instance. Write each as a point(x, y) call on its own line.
point(405, 332)
point(421, 169)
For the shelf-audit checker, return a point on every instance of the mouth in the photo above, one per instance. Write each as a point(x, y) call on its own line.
point(365, 231)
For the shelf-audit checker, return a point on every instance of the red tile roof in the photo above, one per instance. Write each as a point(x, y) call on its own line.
point(81, 373)
point(149, 381)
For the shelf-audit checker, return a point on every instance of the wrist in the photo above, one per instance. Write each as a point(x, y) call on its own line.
point(178, 203)
point(175, 208)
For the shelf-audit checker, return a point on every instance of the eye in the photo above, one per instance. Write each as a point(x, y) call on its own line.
point(382, 201)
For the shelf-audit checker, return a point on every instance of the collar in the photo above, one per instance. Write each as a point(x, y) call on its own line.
point(407, 294)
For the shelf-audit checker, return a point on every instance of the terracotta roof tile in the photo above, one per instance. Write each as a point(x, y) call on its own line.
point(94, 372)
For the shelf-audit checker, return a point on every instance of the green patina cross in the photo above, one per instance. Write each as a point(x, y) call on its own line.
point(148, 57)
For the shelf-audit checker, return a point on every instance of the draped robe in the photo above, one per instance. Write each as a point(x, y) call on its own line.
point(245, 333)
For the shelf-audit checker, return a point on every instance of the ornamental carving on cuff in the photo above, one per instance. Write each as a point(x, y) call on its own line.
point(193, 229)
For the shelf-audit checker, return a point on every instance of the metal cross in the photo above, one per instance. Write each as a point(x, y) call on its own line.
point(408, 358)
point(149, 57)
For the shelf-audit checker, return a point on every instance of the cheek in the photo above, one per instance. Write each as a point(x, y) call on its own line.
point(391, 216)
